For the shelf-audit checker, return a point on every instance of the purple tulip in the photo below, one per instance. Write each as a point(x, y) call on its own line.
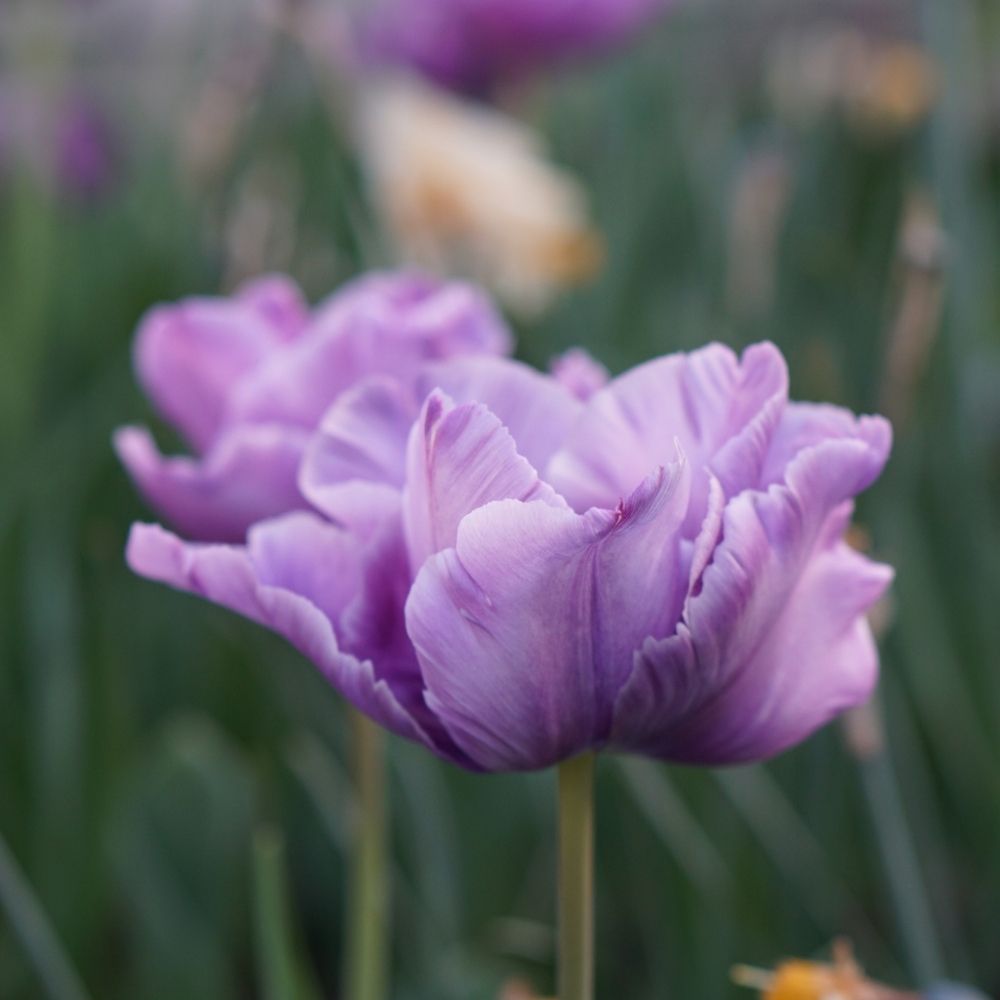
point(68, 139)
point(511, 575)
point(245, 380)
point(85, 150)
point(470, 45)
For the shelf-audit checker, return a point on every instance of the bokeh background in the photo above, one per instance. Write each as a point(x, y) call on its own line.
point(824, 174)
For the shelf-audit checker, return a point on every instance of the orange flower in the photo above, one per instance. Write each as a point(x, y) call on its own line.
point(798, 979)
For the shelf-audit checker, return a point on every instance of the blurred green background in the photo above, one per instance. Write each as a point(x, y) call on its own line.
point(753, 176)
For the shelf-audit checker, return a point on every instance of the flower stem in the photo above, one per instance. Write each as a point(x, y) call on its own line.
point(365, 970)
point(576, 879)
point(275, 942)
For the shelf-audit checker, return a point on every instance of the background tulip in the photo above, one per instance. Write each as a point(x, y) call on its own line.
point(472, 44)
point(246, 379)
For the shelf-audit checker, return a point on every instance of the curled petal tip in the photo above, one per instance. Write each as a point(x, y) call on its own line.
point(153, 552)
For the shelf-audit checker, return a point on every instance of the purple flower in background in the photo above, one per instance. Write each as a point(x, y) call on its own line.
point(470, 45)
point(245, 381)
point(85, 160)
point(69, 140)
point(511, 575)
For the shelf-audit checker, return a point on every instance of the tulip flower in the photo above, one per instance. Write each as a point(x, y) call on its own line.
point(516, 577)
point(471, 45)
point(245, 380)
point(68, 139)
point(673, 583)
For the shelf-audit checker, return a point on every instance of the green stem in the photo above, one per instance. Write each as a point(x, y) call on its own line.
point(58, 978)
point(365, 977)
point(907, 891)
point(275, 945)
point(576, 878)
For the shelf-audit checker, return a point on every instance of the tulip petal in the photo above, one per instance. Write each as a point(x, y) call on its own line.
point(363, 436)
point(297, 576)
point(579, 372)
point(804, 425)
point(278, 300)
point(448, 318)
point(525, 630)
point(708, 537)
point(775, 643)
point(722, 410)
point(190, 356)
point(380, 325)
point(460, 458)
point(360, 450)
point(247, 476)
point(537, 410)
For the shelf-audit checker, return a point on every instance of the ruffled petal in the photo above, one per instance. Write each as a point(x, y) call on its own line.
point(359, 450)
point(449, 318)
point(296, 577)
point(460, 458)
point(536, 409)
point(708, 537)
point(247, 476)
point(358, 579)
point(386, 324)
point(525, 630)
point(579, 372)
point(279, 301)
point(362, 439)
point(722, 410)
point(774, 643)
point(189, 357)
point(804, 425)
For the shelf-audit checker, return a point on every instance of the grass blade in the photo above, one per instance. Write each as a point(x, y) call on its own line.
point(55, 972)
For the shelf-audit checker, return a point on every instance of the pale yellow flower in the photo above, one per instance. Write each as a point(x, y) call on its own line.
point(462, 189)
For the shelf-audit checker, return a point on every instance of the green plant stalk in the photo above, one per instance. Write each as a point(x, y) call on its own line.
point(365, 965)
point(910, 900)
point(28, 921)
point(576, 879)
point(275, 947)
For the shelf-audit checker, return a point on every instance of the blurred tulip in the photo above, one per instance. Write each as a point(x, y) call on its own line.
point(85, 150)
point(246, 380)
point(472, 45)
point(66, 139)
